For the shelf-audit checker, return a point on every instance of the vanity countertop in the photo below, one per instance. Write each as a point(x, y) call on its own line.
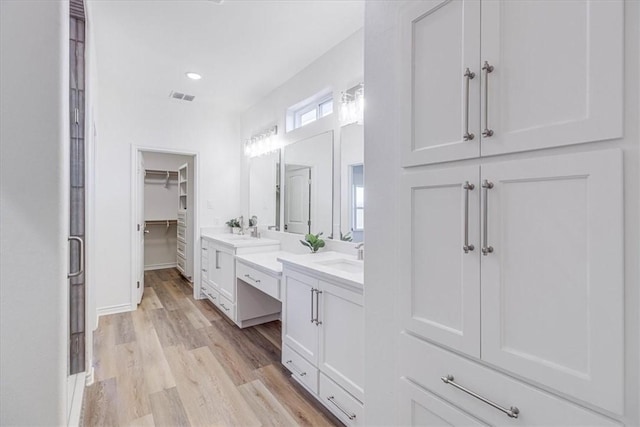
point(331, 266)
point(239, 240)
point(266, 261)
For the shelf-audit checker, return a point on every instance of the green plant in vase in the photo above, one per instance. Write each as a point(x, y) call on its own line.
point(233, 223)
point(313, 242)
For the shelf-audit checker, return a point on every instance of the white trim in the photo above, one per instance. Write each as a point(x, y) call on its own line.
point(160, 266)
point(195, 238)
point(75, 404)
point(113, 309)
point(90, 376)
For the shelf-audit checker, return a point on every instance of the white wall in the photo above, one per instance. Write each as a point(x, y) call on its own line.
point(34, 204)
point(128, 119)
point(383, 169)
point(339, 69)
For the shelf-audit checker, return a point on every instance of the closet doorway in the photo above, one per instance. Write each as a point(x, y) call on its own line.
point(164, 214)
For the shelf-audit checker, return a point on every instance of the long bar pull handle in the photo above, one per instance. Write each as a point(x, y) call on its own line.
point(217, 260)
point(487, 69)
point(318, 292)
point(312, 292)
point(512, 412)
point(467, 187)
point(332, 400)
point(295, 369)
point(468, 75)
point(486, 249)
point(81, 269)
point(248, 276)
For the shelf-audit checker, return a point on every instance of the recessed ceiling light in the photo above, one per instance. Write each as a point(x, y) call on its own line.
point(193, 76)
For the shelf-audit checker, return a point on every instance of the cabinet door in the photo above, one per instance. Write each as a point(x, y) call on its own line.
point(552, 287)
point(439, 41)
point(341, 353)
point(440, 282)
point(299, 331)
point(227, 275)
point(558, 73)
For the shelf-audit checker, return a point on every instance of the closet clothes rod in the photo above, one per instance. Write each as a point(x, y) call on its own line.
point(167, 175)
point(167, 222)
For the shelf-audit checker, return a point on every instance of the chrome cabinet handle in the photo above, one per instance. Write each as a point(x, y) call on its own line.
point(318, 292)
point(205, 249)
point(224, 306)
point(295, 369)
point(204, 269)
point(487, 69)
point(512, 412)
point(217, 260)
point(312, 292)
point(332, 400)
point(468, 75)
point(486, 249)
point(467, 187)
point(81, 269)
point(249, 277)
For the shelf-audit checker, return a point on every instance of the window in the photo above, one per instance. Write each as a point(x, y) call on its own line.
point(309, 110)
point(357, 197)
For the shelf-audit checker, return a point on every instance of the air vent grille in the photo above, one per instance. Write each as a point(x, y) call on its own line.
point(181, 96)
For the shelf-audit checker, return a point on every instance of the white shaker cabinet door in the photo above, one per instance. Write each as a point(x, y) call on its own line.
point(557, 75)
point(440, 281)
point(439, 41)
point(299, 326)
point(552, 285)
point(227, 275)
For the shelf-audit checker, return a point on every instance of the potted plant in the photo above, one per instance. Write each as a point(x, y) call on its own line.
point(234, 225)
point(313, 242)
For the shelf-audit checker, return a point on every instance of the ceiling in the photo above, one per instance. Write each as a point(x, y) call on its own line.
point(244, 49)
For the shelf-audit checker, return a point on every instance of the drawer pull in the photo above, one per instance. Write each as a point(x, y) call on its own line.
point(205, 249)
point(204, 269)
point(251, 278)
point(295, 369)
point(224, 306)
point(332, 400)
point(512, 412)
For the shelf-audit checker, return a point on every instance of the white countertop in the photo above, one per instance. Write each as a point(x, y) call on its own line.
point(312, 263)
point(238, 240)
point(265, 261)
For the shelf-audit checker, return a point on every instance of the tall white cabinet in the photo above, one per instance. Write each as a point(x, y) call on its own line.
point(184, 255)
point(511, 273)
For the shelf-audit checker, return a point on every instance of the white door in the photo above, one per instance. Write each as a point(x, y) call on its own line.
point(440, 40)
point(297, 204)
point(341, 355)
point(214, 270)
point(142, 231)
point(227, 276)
point(552, 287)
point(299, 330)
point(440, 280)
point(557, 73)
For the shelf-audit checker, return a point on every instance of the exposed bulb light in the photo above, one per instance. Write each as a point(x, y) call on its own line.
point(352, 105)
point(193, 76)
point(262, 143)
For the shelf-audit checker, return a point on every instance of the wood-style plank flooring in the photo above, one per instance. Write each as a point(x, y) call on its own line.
point(177, 361)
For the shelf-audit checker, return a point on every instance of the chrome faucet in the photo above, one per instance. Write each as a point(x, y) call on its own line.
point(241, 220)
point(360, 248)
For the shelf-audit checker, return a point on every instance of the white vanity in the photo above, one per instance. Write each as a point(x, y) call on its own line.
point(323, 329)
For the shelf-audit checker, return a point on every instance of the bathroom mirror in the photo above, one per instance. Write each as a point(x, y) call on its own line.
point(308, 185)
point(264, 189)
point(352, 182)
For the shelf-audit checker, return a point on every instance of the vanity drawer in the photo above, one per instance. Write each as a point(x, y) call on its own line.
point(181, 264)
point(300, 369)
point(425, 364)
point(226, 307)
point(182, 249)
point(182, 233)
point(259, 280)
point(204, 249)
point(210, 294)
point(344, 406)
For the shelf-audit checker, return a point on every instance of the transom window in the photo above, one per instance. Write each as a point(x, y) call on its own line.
point(309, 110)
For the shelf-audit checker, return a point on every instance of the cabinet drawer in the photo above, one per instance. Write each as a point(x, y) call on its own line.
point(342, 404)
point(181, 264)
point(425, 364)
point(259, 280)
point(226, 307)
point(182, 249)
point(182, 233)
point(210, 294)
point(204, 250)
point(301, 370)
point(182, 218)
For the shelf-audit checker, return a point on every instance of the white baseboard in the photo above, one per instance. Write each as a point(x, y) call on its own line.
point(159, 266)
point(113, 309)
point(76, 383)
point(90, 377)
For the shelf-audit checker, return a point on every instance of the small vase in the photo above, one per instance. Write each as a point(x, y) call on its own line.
point(235, 230)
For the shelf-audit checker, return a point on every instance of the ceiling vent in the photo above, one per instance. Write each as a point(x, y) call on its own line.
point(181, 96)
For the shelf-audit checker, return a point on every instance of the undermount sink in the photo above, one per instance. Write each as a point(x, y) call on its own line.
point(346, 265)
point(238, 237)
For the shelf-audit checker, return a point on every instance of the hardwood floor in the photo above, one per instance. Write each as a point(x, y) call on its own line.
point(177, 361)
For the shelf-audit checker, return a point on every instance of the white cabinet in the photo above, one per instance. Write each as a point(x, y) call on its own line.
point(323, 341)
point(540, 294)
point(540, 74)
point(184, 250)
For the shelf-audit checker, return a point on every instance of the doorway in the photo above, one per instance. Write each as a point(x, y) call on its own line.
point(164, 215)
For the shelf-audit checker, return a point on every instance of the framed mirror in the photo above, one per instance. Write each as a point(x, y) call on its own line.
point(264, 189)
point(308, 185)
point(352, 183)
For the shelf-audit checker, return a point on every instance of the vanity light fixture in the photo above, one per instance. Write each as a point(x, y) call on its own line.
point(262, 143)
point(352, 105)
point(193, 76)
